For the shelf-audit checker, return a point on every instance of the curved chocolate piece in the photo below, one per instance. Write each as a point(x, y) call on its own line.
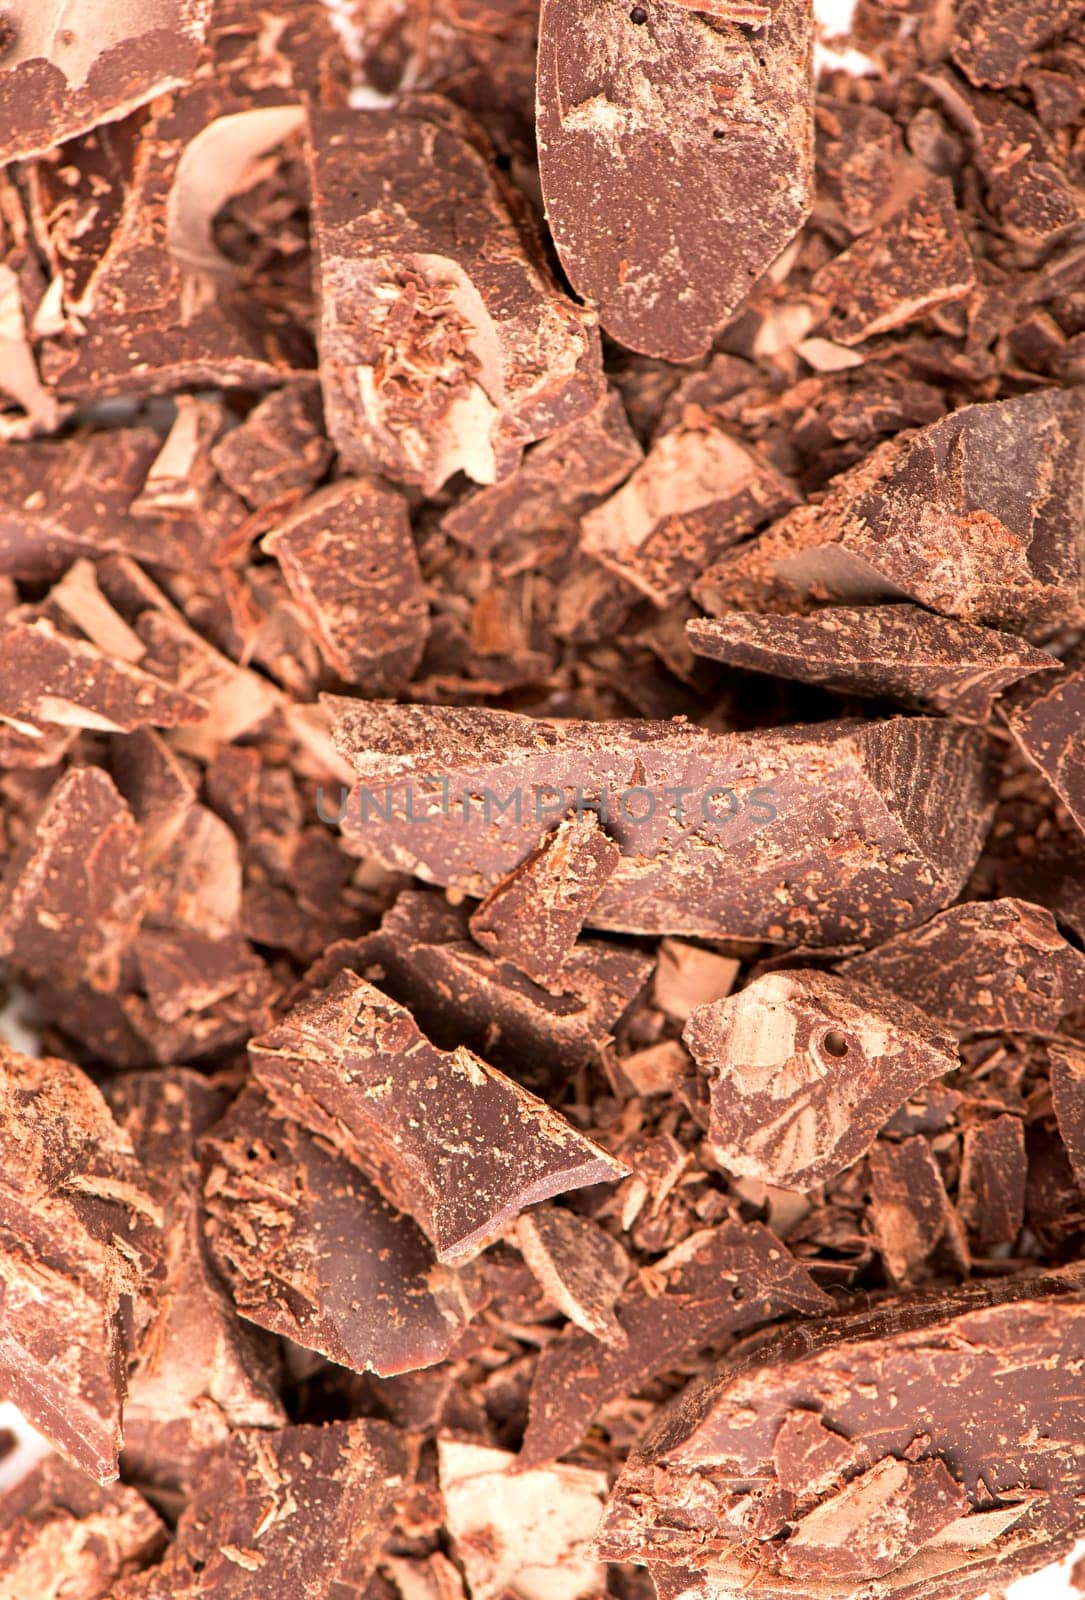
point(676, 151)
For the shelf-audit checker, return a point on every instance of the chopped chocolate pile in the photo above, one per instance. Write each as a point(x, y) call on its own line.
point(542, 799)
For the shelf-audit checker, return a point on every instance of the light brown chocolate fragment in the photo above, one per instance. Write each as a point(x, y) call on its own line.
point(804, 1068)
point(580, 1266)
point(914, 1223)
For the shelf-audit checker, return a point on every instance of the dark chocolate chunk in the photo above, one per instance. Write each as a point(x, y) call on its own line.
point(1048, 728)
point(532, 916)
point(79, 1239)
point(278, 453)
point(993, 39)
point(897, 652)
point(914, 1222)
point(984, 965)
point(991, 1197)
point(446, 1137)
point(978, 516)
point(350, 563)
point(717, 831)
point(648, 139)
point(718, 1282)
point(312, 1252)
point(1068, 1099)
point(805, 1068)
point(445, 346)
point(580, 1266)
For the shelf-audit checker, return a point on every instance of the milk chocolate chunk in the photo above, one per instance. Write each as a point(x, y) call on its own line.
point(910, 264)
point(63, 1537)
point(993, 39)
point(697, 492)
point(79, 1238)
point(676, 154)
point(991, 1197)
point(195, 1362)
point(279, 452)
point(1048, 728)
point(526, 1534)
point(65, 68)
point(558, 478)
point(984, 965)
point(974, 1379)
point(804, 1068)
point(445, 346)
point(48, 677)
point(1068, 1099)
point(349, 561)
point(312, 1252)
point(302, 1511)
point(72, 893)
point(915, 1225)
point(978, 516)
point(445, 1136)
point(579, 1265)
point(897, 652)
point(718, 1282)
point(532, 917)
point(798, 835)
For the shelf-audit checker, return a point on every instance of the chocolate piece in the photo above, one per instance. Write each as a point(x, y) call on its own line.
point(993, 39)
point(1068, 1099)
point(985, 965)
point(64, 1538)
point(978, 516)
point(62, 71)
point(532, 917)
point(1047, 728)
point(579, 1266)
point(687, 977)
point(78, 1239)
point(651, 120)
point(72, 894)
point(422, 956)
point(195, 1362)
point(912, 1218)
point(732, 861)
point(303, 1511)
point(717, 1282)
point(350, 563)
point(445, 347)
point(809, 1460)
point(915, 261)
point(46, 677)
point(804, 1068)
point(520, 1533)
point(448, 1139)
point(936, 1378)
point(557, 479)
point(874, 1523)
point(696, 493)
point(894, 652)
point(312, 1252)
point(991, 1197)
point(278, 453)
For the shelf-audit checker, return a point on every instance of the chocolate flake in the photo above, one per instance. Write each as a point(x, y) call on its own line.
point(579, 1265)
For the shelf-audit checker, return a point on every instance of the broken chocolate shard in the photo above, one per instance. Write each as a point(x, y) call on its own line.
point(991, 1188)
point(1068, 1099)
point(993, 39)
point(353, 1066)
point(697, 492)
point(932, 1378)
point(915, 261)
point(62, 70)
point(805, 1068)
point(63, 1537)
point(279, 452)
point(521, 1534)
point(978, 516)
point(445, 346)
point(651, 121)
point(718, 1282)
point(687, 977)
point(915, 1225)
point(72, 894)
point(79, 1240)
point(311, 1251)
point(897, 652)
point(1047, 726)
point(986, 965)
point(533, 916)
point(580, 1266)
point(715, 829)
point(349, 561)
point(301, 1511)
point(809, 1459)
